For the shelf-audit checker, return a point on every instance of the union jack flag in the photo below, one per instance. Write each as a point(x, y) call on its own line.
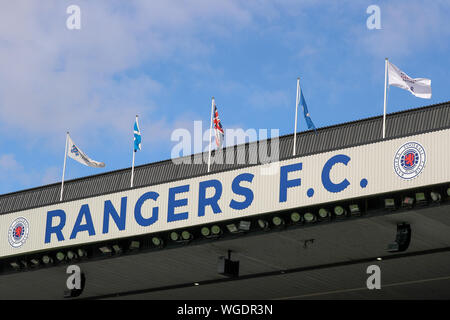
point(218, 129)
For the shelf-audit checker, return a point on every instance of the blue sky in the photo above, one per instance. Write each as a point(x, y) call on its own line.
point(164, 60)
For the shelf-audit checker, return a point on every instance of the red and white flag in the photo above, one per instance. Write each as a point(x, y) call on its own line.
point(218, 129)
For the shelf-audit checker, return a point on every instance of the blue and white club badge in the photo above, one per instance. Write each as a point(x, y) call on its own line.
point(18, 232)
point(409, 160)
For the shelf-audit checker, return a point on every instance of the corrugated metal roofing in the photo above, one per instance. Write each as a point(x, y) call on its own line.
point(415, 121)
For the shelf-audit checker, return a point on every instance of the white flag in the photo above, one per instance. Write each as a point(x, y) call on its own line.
point(75, 153)
point(420, 87)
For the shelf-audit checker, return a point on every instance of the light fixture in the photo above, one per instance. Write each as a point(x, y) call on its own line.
point(174, 236)
point(186, 235)
point(24, 263)
point(389, 204)
point(15, 265)
point(232, 228)
point(47, 259)
point(379, 259)
point(436, 197)
point(71, 255)
point(340, 212)
point(309, 217)
point(206, 232)
point(408, 202)
point(296, 217)
point(82, 253)
point(324, 214)
point(134, 245)
point(244, 225)
point(354, 210)
point(60, 256)
point(448, 192)
point(420, 198)
point(34, 262)
point(158, 242)
point(117, 249)
point(263, 224)
point(277, 221)
point(105, 250)
point(216, 230)
point(402, 239)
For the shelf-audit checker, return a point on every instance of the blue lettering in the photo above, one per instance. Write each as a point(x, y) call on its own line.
point(118, 219)
point(171, 215)
point(285, 183)
point(89, 226)
point(137, 209)
point(203, 201)
point(326, 181)
point(243, 191)
point(49, 228)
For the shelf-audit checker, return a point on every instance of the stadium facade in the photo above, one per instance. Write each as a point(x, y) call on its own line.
point(306, 226)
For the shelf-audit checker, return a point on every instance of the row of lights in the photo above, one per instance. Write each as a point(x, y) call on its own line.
point(419, 199)
point(215, 231)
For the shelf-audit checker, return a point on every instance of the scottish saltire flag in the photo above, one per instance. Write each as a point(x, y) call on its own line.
point(420, 87)
point(218, 129)
point(306, 112)
point(77, 154)
point(137, 136)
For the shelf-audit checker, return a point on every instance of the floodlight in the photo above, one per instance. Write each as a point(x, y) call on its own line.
point(408, 202)
point(174, 236)
point(71, 255)
point(82, 253)
point(263, 224)
point(309, 217)
point(421, 199)
point(244, 225)
point(277, 221)
point(389, 204)
point(232, 228)
point(15, 265)
point(186, 235)
point(206, 232)
point(216, 230)
point(324, 214)
point(117, 249)
point(157, 241)
point(47, 259)
point(436, 197)
point(296, 217)
point(105, 250)
point(354, 210)
point(34, 262)
point(60, 256)
point(134, 245)
point(340, 212)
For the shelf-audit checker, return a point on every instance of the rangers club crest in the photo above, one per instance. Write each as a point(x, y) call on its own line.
point(18, 232)
point(409, 160)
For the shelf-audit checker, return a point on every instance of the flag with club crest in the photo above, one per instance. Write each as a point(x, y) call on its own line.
point(77, 154)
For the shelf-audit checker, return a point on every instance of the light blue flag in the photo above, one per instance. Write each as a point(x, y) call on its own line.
point(137, 136)
point(306, 112)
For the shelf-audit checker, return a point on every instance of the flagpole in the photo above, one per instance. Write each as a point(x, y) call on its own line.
point(210, 133)
point(132, 166)
point(385, 96)
point(296, 107)
point(64, 167)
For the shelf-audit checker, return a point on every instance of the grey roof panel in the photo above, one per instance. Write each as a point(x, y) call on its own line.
point(414, 121)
